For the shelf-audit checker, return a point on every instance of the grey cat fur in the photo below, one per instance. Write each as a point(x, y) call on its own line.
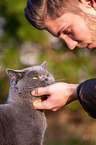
point(20, 123)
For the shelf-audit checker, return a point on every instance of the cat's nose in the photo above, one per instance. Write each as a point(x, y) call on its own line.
point(46, 79)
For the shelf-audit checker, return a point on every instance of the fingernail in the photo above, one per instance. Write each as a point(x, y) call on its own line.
point(33, 92)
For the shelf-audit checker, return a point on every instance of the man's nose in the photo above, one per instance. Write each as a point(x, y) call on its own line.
point(69, 41)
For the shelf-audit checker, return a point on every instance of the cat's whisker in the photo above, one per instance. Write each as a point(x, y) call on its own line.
point(60, 80)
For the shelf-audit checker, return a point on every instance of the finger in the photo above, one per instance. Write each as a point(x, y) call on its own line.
point(42, 105)
point(39, 104)
point(55, 109)
point(40, 91)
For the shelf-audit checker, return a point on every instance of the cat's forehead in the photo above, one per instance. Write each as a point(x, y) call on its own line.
point(38, 69)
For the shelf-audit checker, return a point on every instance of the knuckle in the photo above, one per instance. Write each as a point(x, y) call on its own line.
point(54, 110)
point(49, 107)
point(38, 91)
point(48, 89)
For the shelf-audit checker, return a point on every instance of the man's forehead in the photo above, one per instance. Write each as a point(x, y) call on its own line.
point(55, 25)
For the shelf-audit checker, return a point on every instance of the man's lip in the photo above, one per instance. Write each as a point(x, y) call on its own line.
point(88, 46)
point(85, 46)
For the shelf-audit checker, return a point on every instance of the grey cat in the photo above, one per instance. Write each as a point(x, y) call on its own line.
point(20, 123)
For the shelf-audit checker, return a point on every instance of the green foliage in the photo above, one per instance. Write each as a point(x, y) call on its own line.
point(10, 58)
point(70, 142)
point(74, 68)
point(16, 25)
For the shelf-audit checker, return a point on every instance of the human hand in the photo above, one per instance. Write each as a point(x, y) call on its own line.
point(59, 94)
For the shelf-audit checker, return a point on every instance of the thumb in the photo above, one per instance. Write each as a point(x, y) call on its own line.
point(39, 104)
point(40, 91)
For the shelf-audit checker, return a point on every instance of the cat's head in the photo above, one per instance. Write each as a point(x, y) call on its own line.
point(26, 80)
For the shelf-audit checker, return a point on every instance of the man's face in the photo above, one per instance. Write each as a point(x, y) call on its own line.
point(73, 29)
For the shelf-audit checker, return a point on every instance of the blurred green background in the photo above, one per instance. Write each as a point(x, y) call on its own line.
point(21, 46)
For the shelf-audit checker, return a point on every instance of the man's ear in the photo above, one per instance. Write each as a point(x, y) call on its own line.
point(14, 75)
point(89, 2)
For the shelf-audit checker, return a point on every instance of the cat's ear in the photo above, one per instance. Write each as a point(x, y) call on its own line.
point(14, 75)
point(43, 64)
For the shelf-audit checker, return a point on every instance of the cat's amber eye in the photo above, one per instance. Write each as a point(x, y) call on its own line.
point(35, 78)
point(46, 76)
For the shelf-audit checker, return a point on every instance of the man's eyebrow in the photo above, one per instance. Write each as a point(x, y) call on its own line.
point(55, 34)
